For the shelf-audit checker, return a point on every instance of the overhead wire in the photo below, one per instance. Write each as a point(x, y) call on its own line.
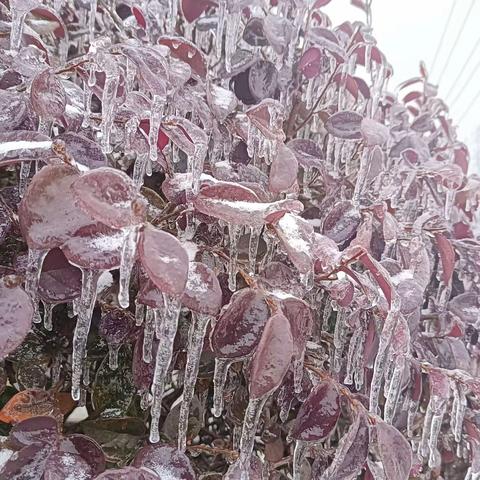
point(463, 88)
point(445, 29)
point(462, 70)
point(470, 106)
point(454, 46)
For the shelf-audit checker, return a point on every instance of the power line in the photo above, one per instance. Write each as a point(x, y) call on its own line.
point(445, 28)
point(472, 104)
point(459, 34)
point(463, 69)
point(465, 84)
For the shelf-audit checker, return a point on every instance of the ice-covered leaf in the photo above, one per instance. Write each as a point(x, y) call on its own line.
point(47, 95)
point(262, 80)
point(308, 153)
point(127, 473)
point(62, 465)
point(16, 314)
point(26, 464)
point(254, 34)
point(13, 110)
point(346, 125)
point(310, 63)
point(95, 246)
point(237, 331)
point(60, 281)
point(447, 256)
point(109, 196)
point(164, 259)
point(283, 171)
point(268, 117)
point(341, 222)
point(81, 149)
point(394, 451)
point(187, 52)
point(48, 212)
point(221, 101)
point(351, 453)
point(272, 357)
point(297, 237)
point(86, 448)
point(300, 317)
point(38, 429)
point(278, 31)
point(202, 292)
point(166, 461)
point(373, 132)
point(28, 404)
point(192, 9)
point(318, 414)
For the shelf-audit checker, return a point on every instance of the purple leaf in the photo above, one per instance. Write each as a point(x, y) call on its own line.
point(346, 125)
point(283, 170)
point(237, 331)
point(272, 357)
point(319, 414)
point(16, 314)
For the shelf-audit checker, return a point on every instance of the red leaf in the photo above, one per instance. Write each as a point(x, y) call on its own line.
point(447, 256)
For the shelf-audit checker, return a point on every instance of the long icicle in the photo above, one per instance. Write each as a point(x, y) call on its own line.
point(164, 357)
point(219, 380)
point(34, 269)
point(85, 311)
point(129, 250)
point(195, 346)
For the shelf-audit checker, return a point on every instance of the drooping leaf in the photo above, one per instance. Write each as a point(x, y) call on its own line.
point(346, 125)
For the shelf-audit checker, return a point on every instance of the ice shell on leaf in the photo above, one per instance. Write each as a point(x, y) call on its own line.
point(394, 451)
point(96, 247)
point(186, 51)
point(307, 152)
point(297, 237)
point(300, 317)
point(47, 95)
point(352, 451)
point(221, 101)
point(34, 430)
point(127, 473)
point(31, 458)
point(16, 314)
point(164, 259)
point(150, 295)
point(278, 31)
point(239, 205)
point(262, 80)
point(24, 145)
point(109, 196)
point(166, 461)
point(268, 116)
point(341, 222)
point(192, 9)
point(253, 33)
point(237, 331)
point(346, 125)
point(13, 110)
point(318, 415)
point(310, 63)
point(272, 357)
point(87, 448)
point(374, 133)
point(60, 281)
point(202, 292)
point(283, 170)
point(48, 212)
point(61, 465)
point(82, 150)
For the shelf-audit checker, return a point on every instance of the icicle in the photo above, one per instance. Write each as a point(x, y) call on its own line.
point(195, 346)
point(427, 425)
point(458, 411)
point(220, 28)
point(309, 91)
point(219, 380)
point(25, 168)
point(237, 435)
point(195, 165)
point(18, 19)
point(434, 457)
point(34, 269)
point(91, 20)
point(113, 356)
point(139, 169)
point(148, 333)
point(353, 348)
point(172, 15)
point(234, 232)
point(298, 456)
point(156, 114)
point(394, 390)
point(327, 311)
point(298, 372)
point(231, 33)
point(159, 315)
point(339, 340)
point(109, 103)
point(144, 399)
point(47, 316)
point(139, 313)
point(131, 127)
point(164, 357)
point(255, 233)
point(127, 261)
point(307, 279)
point(85, 310)
point(249, 429)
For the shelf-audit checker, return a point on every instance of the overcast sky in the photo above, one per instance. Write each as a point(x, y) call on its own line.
point(408, 31)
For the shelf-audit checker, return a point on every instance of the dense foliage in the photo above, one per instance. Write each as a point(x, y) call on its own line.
point(228, 250)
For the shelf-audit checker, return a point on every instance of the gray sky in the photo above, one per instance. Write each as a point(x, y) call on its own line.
point(408, 31)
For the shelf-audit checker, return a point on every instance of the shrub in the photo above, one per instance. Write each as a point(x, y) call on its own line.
point(243, 248)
